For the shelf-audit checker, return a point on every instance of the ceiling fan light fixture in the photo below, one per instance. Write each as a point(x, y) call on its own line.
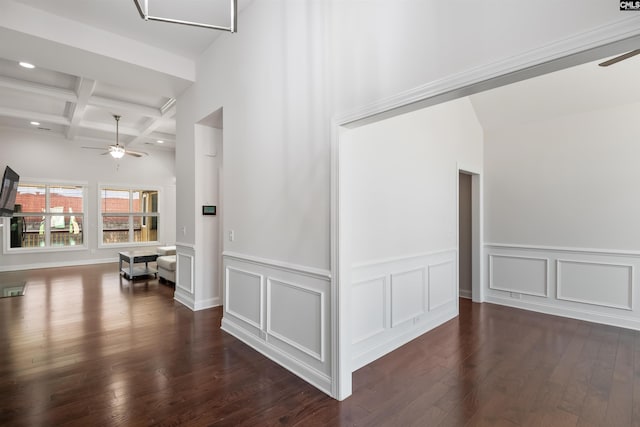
point(116, 151)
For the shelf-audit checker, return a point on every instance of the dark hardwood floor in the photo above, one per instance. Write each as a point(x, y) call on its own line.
point(85, 347)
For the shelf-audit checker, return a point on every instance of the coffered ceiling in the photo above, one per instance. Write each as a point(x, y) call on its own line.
point(82, 109)
point(97, 58)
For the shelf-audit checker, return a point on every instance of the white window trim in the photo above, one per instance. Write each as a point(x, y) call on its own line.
point(129, 188)
point(6, 236)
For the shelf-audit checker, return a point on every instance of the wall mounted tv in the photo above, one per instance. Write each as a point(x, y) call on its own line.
point(8, 191)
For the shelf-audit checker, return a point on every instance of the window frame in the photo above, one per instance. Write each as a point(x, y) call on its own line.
point(131, 214)
point(48, 184)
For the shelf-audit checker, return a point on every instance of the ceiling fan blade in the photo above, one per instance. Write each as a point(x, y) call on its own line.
point(94, 148)
point(135, 153)
point(620, 58)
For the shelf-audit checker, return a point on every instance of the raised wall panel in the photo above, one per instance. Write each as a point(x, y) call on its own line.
point(441, 284)
point(295, 315)
point(407, 295)
point(524, 275)
point(369, 308)
point(244, 295)
point(184, 272)
point(390, 297)
point(283, 311)
point(598, 283)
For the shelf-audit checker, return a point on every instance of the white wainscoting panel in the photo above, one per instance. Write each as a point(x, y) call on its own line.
point(184, 272)
point(281, 310)
point(596, 285)
point(605, 284)
point(286, 301)
point(367, 323)
point(185, 276)
point(442, 284)
point(244, 299)
point(407, 295)
point(520, 274)
point(396, 300)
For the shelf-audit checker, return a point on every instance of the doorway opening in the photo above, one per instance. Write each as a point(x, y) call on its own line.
point(469, 236)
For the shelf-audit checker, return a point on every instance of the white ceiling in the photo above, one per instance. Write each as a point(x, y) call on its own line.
point(97, 58)
point(583, 88)
point(74, 93)
point(121, 17)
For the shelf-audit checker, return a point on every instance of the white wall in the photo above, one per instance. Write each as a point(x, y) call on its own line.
point(294, 66)
point(202, 287)
point(403, 174)
point(562, 215)
point(37, 155)
point(401, 178)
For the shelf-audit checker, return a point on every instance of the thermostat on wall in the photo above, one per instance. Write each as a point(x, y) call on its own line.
point(208, 210)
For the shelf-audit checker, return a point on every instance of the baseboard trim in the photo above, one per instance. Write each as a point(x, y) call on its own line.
point(398, 341)
point(584, 315)
point(207, 303)
point(465, 293)
point(58, 264)
point(184, 298)
point(317, 379)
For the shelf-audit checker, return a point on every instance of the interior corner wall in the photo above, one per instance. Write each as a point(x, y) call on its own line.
point(401, 177)
point(47, 157)
point(292, 68)
point(561, 215)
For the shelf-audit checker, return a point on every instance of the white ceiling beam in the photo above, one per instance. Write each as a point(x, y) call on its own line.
point(119, 107)
point(38, 89)
point(153, 124)
point(84, 89)
point(109, 127)
point(32, 115)
point(113, 105)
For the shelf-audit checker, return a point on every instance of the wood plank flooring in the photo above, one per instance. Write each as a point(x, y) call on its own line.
point(86, 347)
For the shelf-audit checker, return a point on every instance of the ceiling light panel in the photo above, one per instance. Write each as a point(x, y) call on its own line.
point(217, 18)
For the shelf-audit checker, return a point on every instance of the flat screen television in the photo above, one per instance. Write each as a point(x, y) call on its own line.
point(8, 191)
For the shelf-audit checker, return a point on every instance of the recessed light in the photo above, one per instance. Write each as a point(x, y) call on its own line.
point(35, 123)
point(26, 65)
point(160, 141)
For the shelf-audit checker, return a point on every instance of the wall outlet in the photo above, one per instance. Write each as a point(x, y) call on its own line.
point(232, 235)
point(515, 295)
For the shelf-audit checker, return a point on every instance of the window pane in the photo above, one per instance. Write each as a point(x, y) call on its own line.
point(145, 228)
point(30, 198)
point(70, 235)
point(27, 232)
point(136, 198)
point(115, 229)
point(145, 201)
point(115, 200)
point(66, 199)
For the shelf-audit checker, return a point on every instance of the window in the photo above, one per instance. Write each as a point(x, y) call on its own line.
point(48, 216)
point(128, 216)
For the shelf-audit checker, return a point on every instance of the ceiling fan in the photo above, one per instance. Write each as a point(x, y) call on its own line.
point(117, 151)
point(620, 58)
